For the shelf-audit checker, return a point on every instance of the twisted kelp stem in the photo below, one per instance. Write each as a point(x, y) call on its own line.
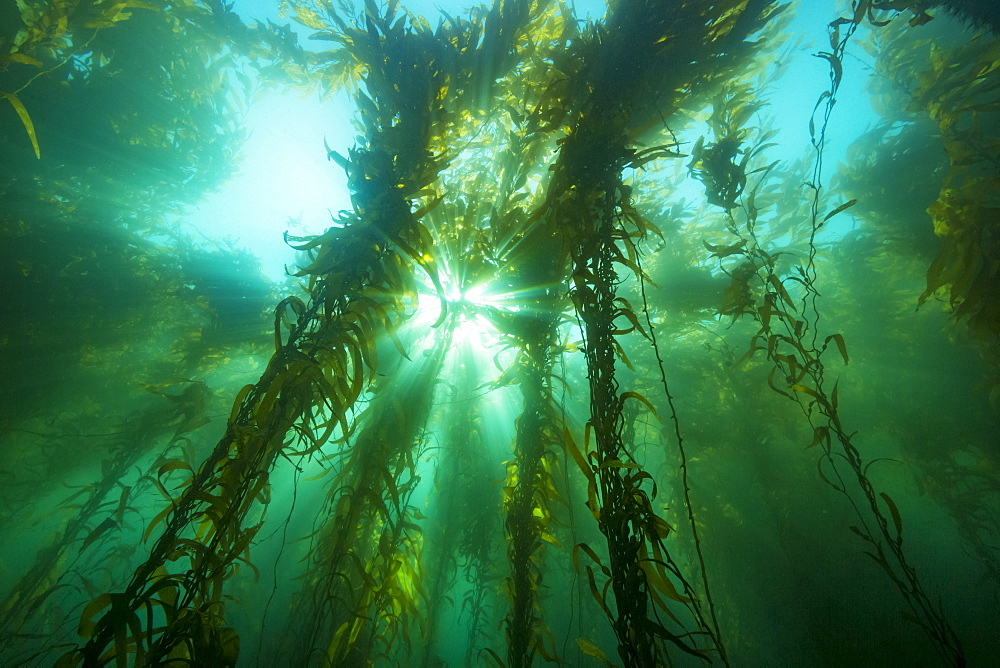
point(683, 466)
point(895, 564)
point(529, 489)
point(312, 381)
point(794, 350)
point(222, 492)
point(587, 203)
point(456, 192)
point(351, 596)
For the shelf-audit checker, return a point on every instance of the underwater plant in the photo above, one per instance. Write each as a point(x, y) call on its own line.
point(641, 475)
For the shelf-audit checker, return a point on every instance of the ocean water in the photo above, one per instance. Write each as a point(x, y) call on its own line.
point(443, 334)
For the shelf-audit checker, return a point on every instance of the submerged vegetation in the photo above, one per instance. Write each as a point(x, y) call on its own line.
point(591, 372)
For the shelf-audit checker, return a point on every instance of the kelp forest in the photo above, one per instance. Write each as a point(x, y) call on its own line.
point(598, 367)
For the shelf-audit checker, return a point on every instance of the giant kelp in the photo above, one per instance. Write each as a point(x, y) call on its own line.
point(504, 180)
point(928, 98)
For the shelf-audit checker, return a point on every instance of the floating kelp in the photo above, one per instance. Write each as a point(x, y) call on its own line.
point(533, 398)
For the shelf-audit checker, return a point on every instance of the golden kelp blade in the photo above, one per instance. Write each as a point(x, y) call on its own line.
point(593, 650)
point(25, 119)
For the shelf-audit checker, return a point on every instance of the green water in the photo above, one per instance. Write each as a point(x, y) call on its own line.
point(504, 336)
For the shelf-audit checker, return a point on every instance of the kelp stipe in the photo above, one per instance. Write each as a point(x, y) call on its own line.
point(512, 199)
point(789, 319)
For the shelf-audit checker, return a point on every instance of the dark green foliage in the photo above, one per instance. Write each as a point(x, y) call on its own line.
point(980, 13)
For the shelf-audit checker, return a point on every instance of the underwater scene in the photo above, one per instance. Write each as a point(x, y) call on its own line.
point(442, 333)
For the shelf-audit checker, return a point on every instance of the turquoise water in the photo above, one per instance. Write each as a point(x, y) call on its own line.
point(337, 335)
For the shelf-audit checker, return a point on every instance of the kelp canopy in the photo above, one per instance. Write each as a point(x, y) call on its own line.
point(589, 373)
